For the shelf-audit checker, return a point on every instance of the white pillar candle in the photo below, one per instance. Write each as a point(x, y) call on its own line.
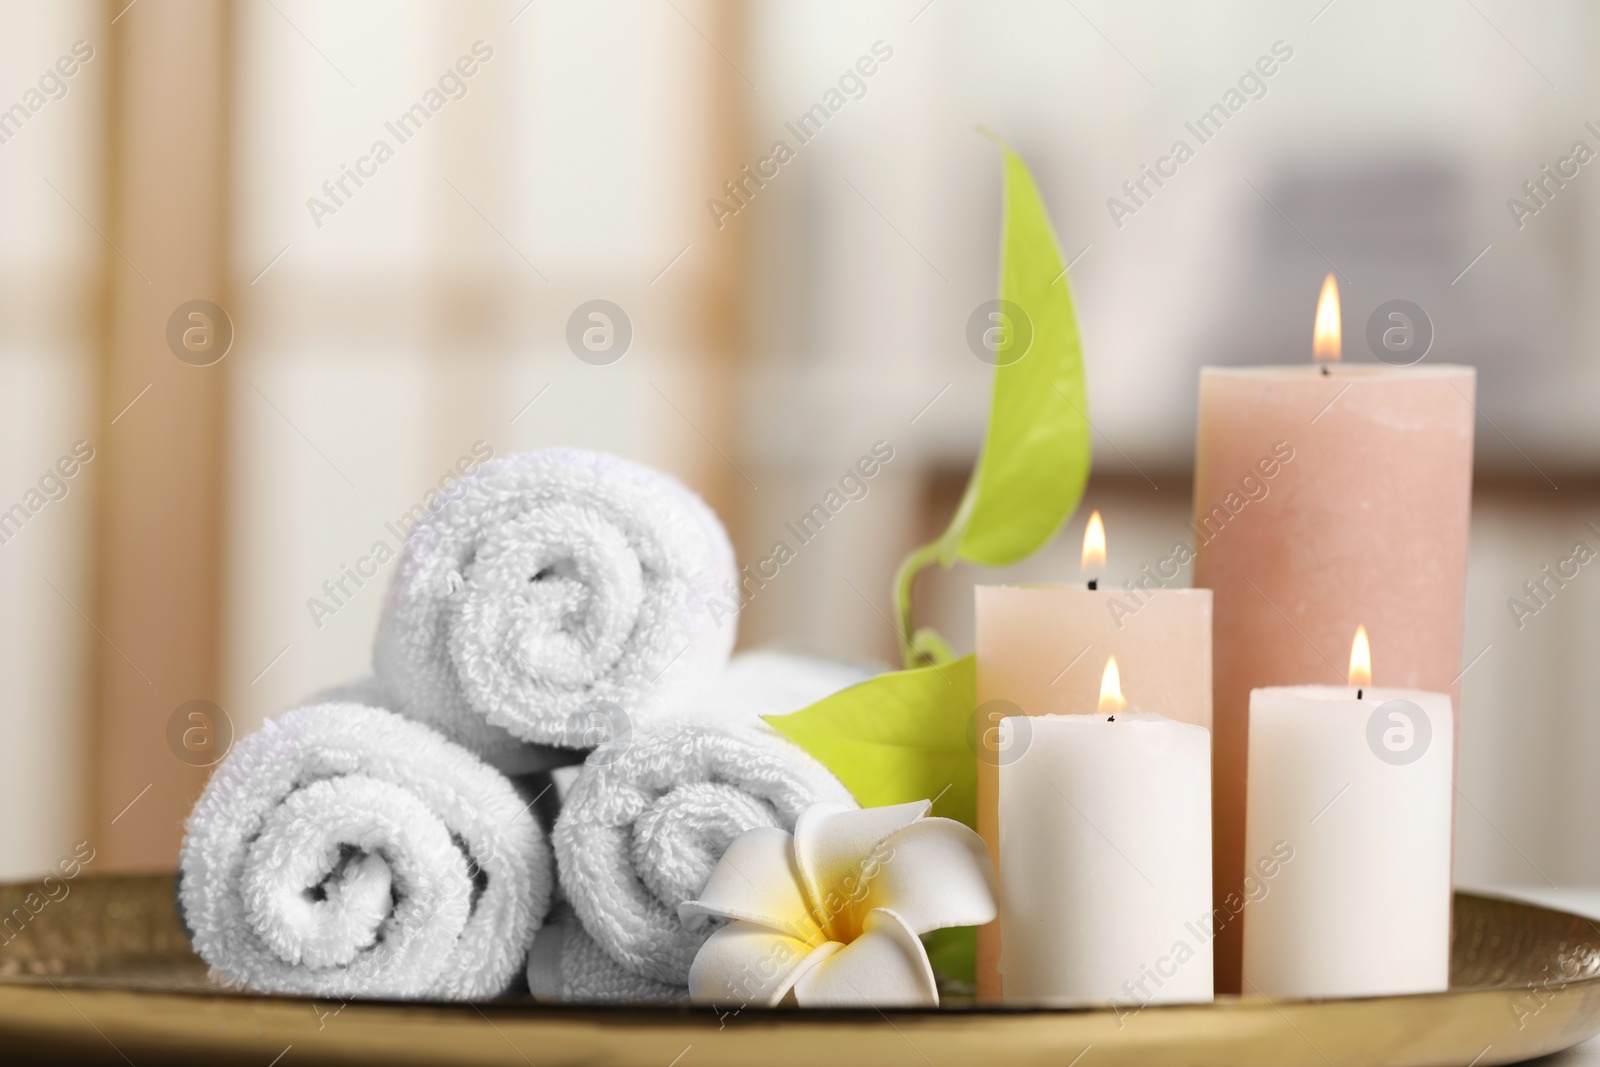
point(1357, 790)
point(1105, 860)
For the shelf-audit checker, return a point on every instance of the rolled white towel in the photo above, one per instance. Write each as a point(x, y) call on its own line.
point(645, 822)
point(345, 851)
point(566, 964)
point(550, 593)
point(499, 749)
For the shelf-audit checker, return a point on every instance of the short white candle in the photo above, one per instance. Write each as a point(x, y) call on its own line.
point(1105, 860)
point(1360, 789)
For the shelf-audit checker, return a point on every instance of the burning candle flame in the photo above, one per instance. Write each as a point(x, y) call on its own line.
point(1094, 545)
point(1111, 699)
point(1325, 333)
point(1360, 659)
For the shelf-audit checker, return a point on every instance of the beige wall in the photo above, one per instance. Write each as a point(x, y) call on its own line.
point(371, 352)
point(50, 261)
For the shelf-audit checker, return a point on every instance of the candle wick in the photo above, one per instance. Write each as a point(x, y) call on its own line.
point(1094, 583)
point(1325, 370)
point(1112, 719)
point(1358, 694)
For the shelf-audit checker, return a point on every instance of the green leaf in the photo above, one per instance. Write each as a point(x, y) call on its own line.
point(1035, 460)
point(898, 737)
point(954, 952)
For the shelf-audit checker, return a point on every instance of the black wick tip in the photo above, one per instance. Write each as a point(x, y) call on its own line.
point(1358, 694)
point(1325, 370)
point(1112, 719)
point(1094, 583)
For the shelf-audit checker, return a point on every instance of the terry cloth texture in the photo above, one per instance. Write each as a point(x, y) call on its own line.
point(644, 824)
point(342, 850)
point(558, 597)
point(566, 964)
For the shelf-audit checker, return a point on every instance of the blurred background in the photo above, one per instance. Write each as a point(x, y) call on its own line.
point(370, 317)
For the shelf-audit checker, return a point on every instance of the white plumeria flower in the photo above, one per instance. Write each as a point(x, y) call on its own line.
point(832, 913)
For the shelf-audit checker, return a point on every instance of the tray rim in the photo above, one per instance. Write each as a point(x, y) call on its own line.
point(239, 1024)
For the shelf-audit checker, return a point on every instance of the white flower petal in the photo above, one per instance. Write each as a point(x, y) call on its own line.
point(743, 963)
point(835, 848)
point(933, 874)
point(756, 881)
point(885, 967)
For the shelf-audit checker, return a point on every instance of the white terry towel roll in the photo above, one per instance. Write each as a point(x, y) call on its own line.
point(645, 822)
point(499, 749)
point(566, 964)
point(551, 596)
point(344, 851)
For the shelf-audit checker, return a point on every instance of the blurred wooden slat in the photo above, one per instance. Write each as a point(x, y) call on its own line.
point(724, 294)
point(158, 602)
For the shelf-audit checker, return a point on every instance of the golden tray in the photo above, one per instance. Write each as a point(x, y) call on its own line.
point(105, 975)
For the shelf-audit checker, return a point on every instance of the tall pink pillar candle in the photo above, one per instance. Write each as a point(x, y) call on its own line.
point(1324, 499)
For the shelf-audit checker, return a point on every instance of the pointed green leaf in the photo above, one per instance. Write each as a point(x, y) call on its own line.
point(1035, 458)
point(898, 737)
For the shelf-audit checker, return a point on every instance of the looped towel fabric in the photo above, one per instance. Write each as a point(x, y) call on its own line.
point(342, 850)
point(643, 825)
point(566, 964)
point(558, 597)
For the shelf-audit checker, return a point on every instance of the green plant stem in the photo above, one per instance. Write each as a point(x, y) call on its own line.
point(910, 651)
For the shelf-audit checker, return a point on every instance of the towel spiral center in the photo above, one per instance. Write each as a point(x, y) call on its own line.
point(678, 840)
point(353, 865)
point(550, 601)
